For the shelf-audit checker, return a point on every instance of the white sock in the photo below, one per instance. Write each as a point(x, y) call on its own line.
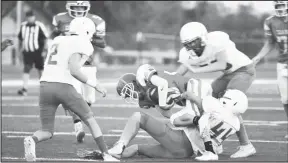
point(25, 80)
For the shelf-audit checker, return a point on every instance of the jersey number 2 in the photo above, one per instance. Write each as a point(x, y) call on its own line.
point(51, 60)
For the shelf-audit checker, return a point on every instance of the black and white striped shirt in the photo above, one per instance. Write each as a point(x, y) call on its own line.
point(32, 36)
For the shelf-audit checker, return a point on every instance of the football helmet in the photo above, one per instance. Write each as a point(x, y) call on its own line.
point(193, 36)
point(78, 8)
point(281, 8)
point(82, 26)
point(234, 100)
point(127, 88)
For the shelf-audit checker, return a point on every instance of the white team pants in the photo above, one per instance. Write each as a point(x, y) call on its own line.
point(282, 79)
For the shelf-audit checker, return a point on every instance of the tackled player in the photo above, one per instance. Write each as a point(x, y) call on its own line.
point(62, 71)
point(174, 142)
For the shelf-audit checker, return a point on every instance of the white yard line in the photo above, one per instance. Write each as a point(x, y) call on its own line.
point(123, 106)
point(51, 159)
point(34, 82)
point(21, 134)
point(115, 98)
point(247, 122)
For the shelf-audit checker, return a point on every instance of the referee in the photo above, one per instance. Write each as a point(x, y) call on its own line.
point(32, 38)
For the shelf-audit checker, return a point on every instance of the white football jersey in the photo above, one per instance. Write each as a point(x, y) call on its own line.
point(144, 73)
point(56, 67)
point(218, 46)
point(223, 123)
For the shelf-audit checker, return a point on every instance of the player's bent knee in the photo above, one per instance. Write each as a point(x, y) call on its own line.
point(136, 116)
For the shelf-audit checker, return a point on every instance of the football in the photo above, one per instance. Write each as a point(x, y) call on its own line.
point(153, 94)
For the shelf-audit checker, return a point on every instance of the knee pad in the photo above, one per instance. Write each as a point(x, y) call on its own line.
point(27, 68)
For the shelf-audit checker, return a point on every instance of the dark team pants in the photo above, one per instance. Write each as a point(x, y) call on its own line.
point(33, 58)
point(172, 143)
point(240, 79)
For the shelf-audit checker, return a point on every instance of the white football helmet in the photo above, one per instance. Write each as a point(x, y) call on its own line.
point(82, 26)
point(235, 100)
point(193, 36)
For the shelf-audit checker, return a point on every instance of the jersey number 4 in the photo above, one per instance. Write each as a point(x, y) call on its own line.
point(221, 131)
point(53, 52)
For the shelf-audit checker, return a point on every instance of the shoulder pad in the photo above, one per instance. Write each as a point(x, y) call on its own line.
point(61, 14)
point(95, 18)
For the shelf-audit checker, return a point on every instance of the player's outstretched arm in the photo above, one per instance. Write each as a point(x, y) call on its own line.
point(75, 66)
point(182, 70)
point(267, 48)
point(185, 120)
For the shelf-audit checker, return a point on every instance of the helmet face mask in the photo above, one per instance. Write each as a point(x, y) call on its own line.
point(281, 8)
point(78, 8)
point(197, 45)
point(127, 88)
point(193, 37)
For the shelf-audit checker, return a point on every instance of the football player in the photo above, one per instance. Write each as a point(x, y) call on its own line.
point(276, 32)
point(219, 120)
point(145, 88)
point(57, 85)
point(205, 52)
point(61, 23)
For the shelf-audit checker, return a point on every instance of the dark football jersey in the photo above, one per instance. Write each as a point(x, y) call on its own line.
point(276, 30)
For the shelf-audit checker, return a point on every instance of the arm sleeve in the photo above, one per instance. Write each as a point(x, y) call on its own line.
point(268, 31)
point(144, 74)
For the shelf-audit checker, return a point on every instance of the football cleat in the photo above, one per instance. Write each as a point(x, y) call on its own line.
point(79, 132)
point(29, 147)
point(117, 149)
point(244, 151)
point(22, 92)
point(207, 156)
point(93, 155)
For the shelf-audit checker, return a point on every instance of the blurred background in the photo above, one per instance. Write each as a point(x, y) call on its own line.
point(147, 31)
